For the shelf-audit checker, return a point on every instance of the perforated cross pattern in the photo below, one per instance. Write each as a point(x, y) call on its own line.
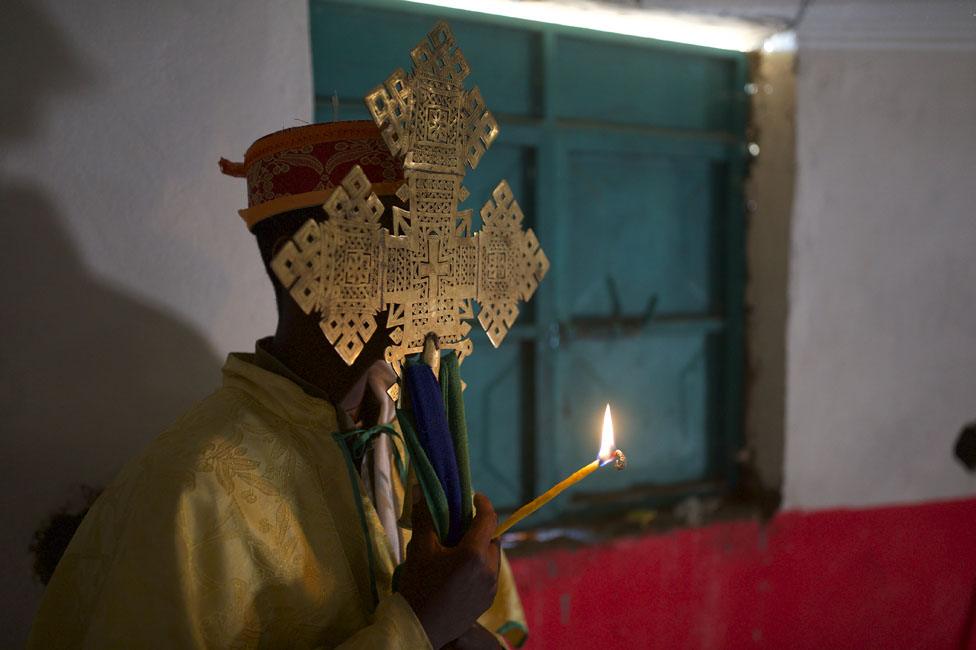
point(431, 268)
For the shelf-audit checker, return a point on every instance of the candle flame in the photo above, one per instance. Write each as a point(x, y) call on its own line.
point(606, 438)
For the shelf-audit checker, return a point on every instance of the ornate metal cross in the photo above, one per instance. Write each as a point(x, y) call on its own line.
point(434, 268)
point(429, 269)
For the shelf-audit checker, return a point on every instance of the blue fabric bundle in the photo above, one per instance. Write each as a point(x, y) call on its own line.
point(434, 435)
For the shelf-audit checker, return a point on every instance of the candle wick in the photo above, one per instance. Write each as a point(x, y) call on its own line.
point(619, 460)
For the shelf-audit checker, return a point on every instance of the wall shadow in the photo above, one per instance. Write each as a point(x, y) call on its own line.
point(88, 373)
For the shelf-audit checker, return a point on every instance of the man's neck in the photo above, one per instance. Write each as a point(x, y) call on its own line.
point(314, 360)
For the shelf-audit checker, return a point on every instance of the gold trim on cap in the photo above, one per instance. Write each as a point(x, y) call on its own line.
point(258, 213)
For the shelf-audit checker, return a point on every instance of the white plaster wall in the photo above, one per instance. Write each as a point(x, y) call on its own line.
point(881, 340)
point(126, 273)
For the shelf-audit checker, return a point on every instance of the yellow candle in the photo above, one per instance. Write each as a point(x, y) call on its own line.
point(546, 497)
point(605, 457)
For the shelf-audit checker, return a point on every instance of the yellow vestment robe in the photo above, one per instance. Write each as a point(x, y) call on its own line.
point(244, 525)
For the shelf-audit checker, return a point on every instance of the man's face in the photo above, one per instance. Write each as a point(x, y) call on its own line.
point(375, 347)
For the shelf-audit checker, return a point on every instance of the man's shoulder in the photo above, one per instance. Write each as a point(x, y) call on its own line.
point(214, 418)
point(231, 436)
point(213, 410)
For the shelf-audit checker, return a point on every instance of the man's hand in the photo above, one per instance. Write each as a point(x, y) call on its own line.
point(449, 588)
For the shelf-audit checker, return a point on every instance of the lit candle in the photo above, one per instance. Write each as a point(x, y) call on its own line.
point(606, 454)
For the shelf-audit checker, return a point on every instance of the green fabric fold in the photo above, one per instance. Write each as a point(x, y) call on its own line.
point(450, 380)
point(426, 477)
point(340, 439)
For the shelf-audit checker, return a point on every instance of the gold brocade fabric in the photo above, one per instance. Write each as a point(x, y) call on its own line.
point(239, 527)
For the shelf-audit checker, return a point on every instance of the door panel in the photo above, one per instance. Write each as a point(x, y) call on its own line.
point(616, 82)
point(626, 156)
point(658, 391)
point(356, 49)
point(493, 402)
point(641, 223)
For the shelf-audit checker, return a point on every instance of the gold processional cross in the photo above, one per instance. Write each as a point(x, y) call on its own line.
point(429, 269)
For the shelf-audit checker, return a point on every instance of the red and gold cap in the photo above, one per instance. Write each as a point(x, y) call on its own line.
point(301, 167)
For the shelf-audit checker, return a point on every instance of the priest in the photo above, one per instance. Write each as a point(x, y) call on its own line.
point(275, 512)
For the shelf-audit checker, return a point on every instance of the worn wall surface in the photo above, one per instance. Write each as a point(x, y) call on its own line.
point(126, 274)
point(881, 340)
point(769, 209)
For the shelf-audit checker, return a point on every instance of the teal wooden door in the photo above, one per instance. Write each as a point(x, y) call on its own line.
point(627, 156)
